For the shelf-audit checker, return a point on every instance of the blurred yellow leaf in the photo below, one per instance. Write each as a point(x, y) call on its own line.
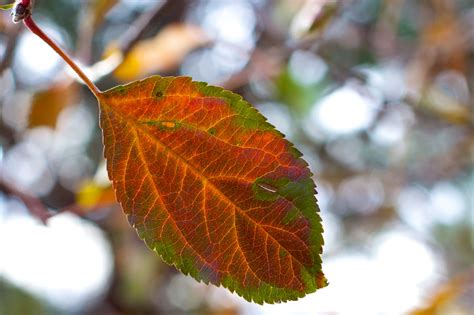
point(48, 104)
point(447, 107)
point(445, 40)
point(92, 19)
point(164, 52)
point(97, 11)
point(313, 18)
point(442, 47)
point(7, 6)
point(444, 300)
point(94, 195)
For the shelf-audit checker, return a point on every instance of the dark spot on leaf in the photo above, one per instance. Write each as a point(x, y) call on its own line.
point(212, 131)
point(122, 89)
point(150, 123)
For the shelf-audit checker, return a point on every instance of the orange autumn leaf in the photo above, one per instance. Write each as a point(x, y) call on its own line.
point(444, 299)
point(213, 188)
point(162, 53)
point(48, 104)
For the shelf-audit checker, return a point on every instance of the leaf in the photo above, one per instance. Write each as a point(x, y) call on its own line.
point(213, 188)
point(7, 7)
point(48, 104)
point(94, 195)
point(162, 53)
point(91, 20)
point(97, 10)
point(313, 18)
point(444, 300)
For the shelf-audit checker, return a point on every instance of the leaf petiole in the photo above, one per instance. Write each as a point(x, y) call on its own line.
point(33, 27)
point(25, 7)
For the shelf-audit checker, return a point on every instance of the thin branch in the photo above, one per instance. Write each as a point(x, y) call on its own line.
point(39, 210)
point(33, 204)
point(138, 28)
point(126, 42)
point(12, 41)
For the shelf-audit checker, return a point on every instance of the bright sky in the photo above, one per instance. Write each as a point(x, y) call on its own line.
point(68, 262)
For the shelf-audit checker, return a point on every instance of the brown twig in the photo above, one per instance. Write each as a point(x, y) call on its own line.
point(33, 204)
point(128, 40)
point(135, 32)
point(39, 210)
point(139, 27)
point(12, 41)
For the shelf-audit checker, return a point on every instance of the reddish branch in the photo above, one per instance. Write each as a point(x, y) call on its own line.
point(37, 208)
point(34, 204)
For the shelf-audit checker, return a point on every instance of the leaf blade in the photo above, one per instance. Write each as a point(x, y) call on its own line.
point(6, 7)
point(213, 188)
point(47, 104)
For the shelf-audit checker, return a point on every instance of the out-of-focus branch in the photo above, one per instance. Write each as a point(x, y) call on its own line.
point(135, 32)
point(268, 62)
point(124, 44)
point(33, 204)
point(37, 208)
point(425, 108)
point(139, 27)
point(12, 40)
point(265, 63)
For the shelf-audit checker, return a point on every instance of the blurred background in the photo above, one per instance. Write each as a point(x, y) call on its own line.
point(377, 94)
